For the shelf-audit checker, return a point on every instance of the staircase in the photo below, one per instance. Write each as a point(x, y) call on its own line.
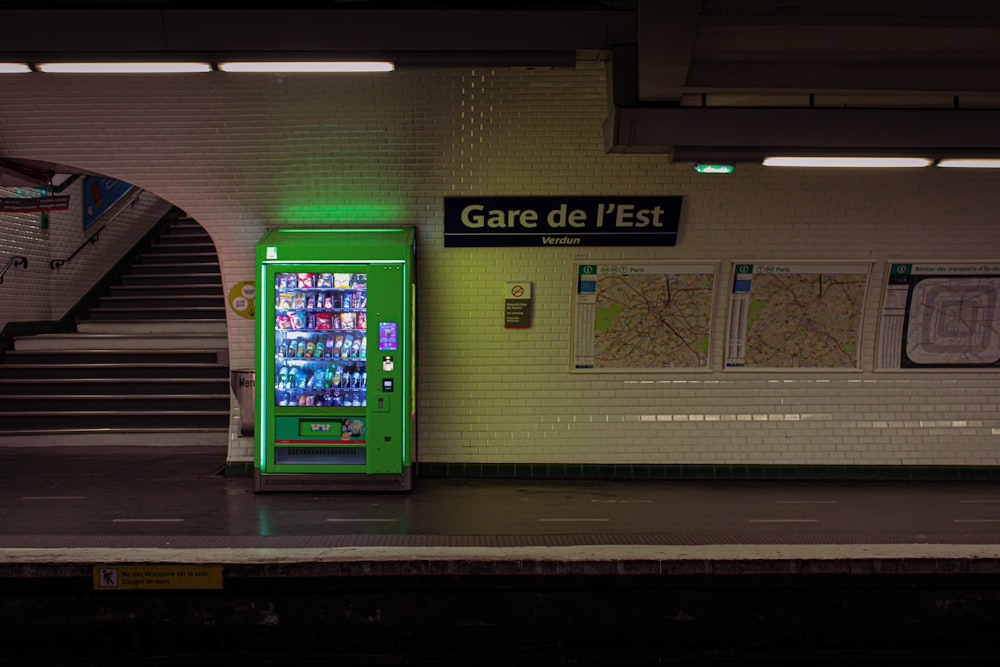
point(151, 357)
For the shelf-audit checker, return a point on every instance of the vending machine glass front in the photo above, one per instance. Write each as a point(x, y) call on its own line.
point(320, 339)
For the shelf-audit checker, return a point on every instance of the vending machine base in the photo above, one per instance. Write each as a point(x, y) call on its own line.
point(332, 482)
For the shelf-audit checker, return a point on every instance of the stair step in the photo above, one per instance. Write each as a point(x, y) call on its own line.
point(105, 386)
point(162, 301)
point(134, 291)
point(188, 245)
point(156, 327)
point(91, 371)
point(185, 221)
point(176, 269)
point(188, 313)
point(112, 403)
point(215, 342)
point(171, 279)
point(121, 436)
point(184, 231)
point(184, 237)
point(110, 356)
point(110, 420)
point(177, 258)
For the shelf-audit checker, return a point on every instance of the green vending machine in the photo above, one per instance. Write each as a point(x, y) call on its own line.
point(335, 407)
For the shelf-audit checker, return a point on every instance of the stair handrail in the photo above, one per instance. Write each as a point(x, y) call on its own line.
point(14, 260)
point(137, 192)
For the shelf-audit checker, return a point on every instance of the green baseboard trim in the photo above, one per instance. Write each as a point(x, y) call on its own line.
point(238, 469)
point(642, 471)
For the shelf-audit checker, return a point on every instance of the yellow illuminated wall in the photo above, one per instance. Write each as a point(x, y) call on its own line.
point(242, 154)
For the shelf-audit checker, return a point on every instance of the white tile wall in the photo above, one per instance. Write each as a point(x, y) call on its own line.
point(41, 293)
point(242, 153)
point(24, 293)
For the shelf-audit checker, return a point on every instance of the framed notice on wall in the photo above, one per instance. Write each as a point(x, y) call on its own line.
point(796, 315)
point(643, 315)
point(940, 315)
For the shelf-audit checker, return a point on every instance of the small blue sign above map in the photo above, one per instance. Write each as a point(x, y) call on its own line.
point(476, 222)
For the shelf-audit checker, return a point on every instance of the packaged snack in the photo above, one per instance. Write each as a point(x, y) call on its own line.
point(297, 320)
point(284, 301)
point(325, 280)
point(324, 321)
point(347, 320)
point(342, 280)
point(306, 279)
point(284, 321)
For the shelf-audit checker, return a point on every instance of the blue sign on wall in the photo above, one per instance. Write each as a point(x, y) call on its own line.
point(100, 194)
point(475, 222)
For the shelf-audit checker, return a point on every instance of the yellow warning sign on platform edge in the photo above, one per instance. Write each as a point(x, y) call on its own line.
point(157, 577)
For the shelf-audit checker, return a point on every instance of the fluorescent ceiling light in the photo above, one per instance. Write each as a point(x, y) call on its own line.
point(969, 163)
point(13, 68)
point(315, 66)
point(124, 68)
point(846, 162)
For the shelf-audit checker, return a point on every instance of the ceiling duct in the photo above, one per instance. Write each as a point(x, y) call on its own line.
point(697, 134)
point(861, 75)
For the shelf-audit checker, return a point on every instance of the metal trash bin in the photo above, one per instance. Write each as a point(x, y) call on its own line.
point(242, 383)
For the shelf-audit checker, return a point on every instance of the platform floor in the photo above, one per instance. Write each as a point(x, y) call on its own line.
point(153, 502)
point(489, 572)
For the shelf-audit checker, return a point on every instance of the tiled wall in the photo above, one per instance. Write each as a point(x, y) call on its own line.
point(40, 292)
point(243, 153)
point(24, 293)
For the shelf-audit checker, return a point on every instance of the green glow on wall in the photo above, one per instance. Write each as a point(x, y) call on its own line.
point(343, 212)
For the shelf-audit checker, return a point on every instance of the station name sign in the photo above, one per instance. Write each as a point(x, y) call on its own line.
point(478, 222)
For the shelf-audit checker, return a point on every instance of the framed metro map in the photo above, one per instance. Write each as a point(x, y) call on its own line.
point(940, 315)
point(796, 315)
point(643, 316)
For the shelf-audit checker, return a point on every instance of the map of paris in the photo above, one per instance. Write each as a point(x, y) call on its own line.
point(639, 316)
